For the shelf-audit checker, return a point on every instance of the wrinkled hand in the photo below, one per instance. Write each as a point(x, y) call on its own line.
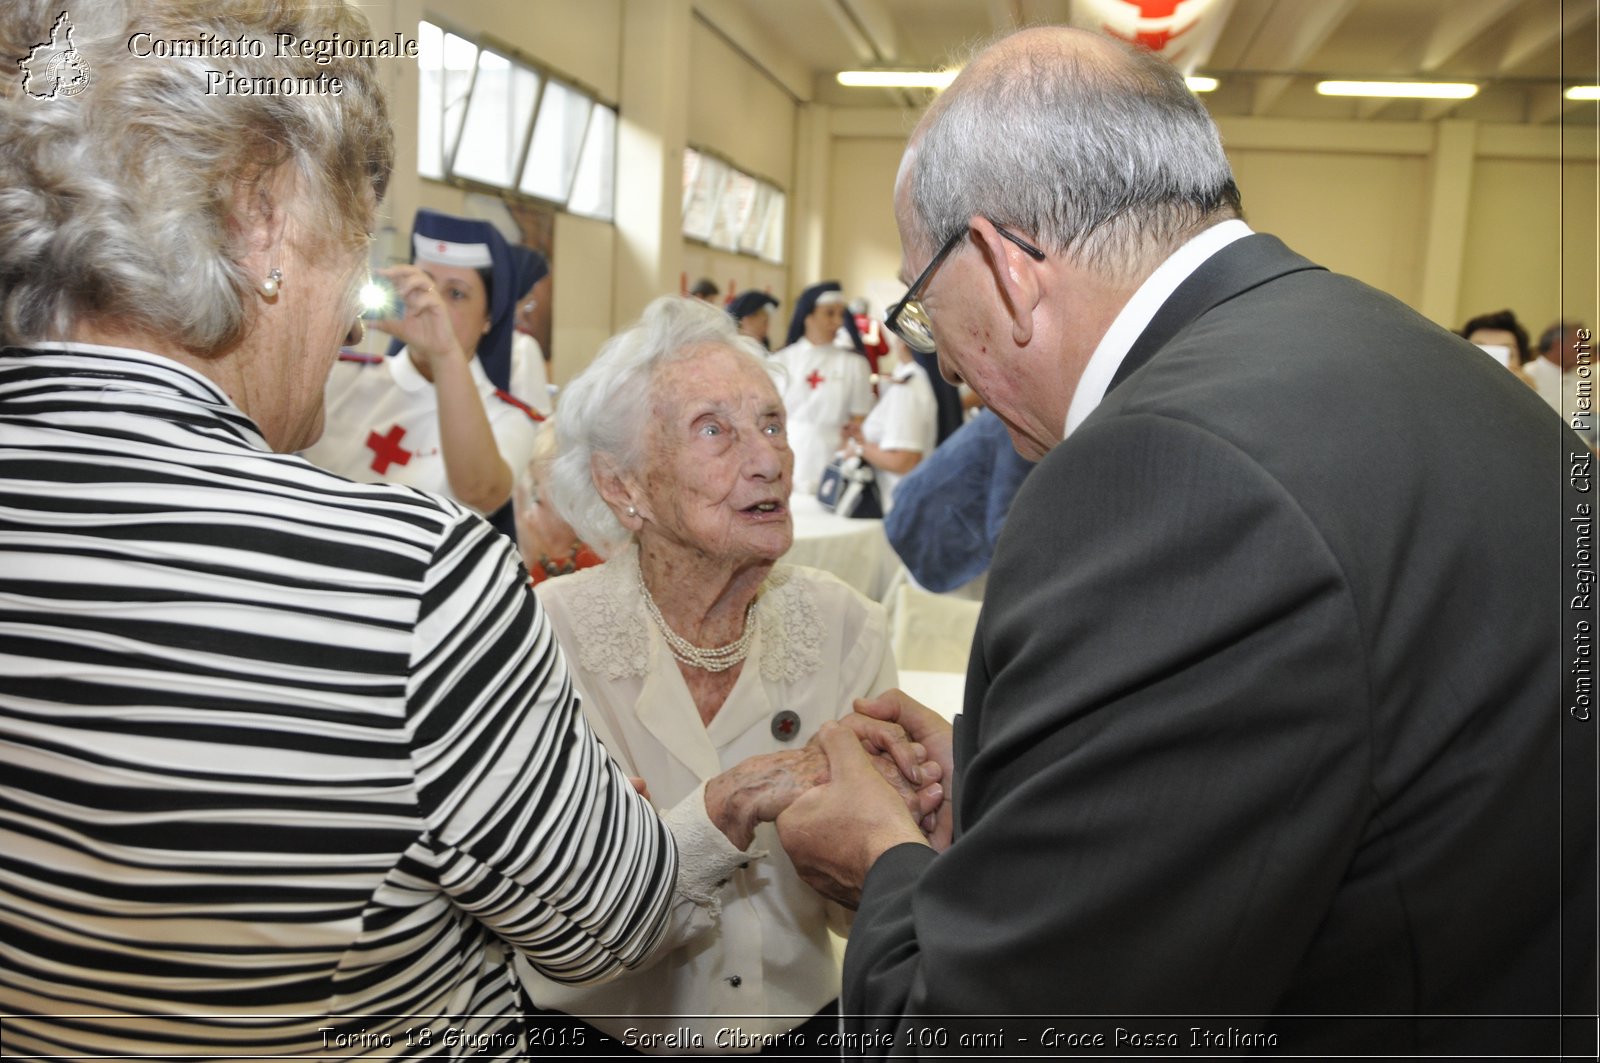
point(757, 789)
point(425, 327)
point(834, 832)
point(932, 733)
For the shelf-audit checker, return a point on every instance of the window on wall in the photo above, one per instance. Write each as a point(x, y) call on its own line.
point(491, 118)
point(731, 210)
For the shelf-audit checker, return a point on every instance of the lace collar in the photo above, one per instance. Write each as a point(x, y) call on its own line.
point(613, 631)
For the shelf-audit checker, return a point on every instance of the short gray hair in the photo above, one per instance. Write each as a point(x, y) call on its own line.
point(606, 409)
point(1109, 160)
point(116, 203)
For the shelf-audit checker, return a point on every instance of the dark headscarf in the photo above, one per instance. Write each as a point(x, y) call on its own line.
point(529, 267)
point(748, 302)
point(808, 302)
point(444, 238)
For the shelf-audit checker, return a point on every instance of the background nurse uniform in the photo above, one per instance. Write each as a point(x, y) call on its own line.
point(431, 415)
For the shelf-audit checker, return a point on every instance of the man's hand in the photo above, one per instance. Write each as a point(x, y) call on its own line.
point(933, 733)
point(836, 831)
point(902, 762)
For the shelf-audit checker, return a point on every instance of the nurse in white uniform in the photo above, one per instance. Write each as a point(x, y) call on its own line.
point(429, 415)
point(826, 390)
point(903, 427)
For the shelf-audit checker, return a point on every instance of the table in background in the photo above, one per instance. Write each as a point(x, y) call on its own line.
point(855, 550)
point(940, 691)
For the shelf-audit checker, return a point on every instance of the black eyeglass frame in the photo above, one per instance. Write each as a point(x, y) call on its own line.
point(891, 320)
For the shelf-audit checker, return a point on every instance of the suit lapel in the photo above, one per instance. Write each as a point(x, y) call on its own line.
point(1242, 265)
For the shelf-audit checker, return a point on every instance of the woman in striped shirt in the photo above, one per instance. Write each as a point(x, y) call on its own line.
point(287, 763)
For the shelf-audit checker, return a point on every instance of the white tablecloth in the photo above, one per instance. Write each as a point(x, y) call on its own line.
point(855, 550)
point(940, 691)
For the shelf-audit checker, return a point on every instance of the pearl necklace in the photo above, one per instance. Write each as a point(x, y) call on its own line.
point(716, 659)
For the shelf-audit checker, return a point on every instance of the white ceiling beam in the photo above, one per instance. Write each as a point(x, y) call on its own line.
point(1371, 107)
point(1433, 110)
point(851, 33)
point(1201, 48)
point(1548, 106)
point(878, 24)
point(1459, 26)
point(1291, 36)
point(733, 21)
point(1532, 35)
point(1267, 90)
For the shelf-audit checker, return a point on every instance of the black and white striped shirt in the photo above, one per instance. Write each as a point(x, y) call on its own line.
point(283, 759)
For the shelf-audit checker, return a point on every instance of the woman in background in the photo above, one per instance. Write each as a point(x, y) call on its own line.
point(697, 654)
point(826, 389)
point(429, 415)
point(903, 428)
point(548, 545)
point(290, 763)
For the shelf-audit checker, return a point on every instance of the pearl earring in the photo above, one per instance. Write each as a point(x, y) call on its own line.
point(269, 286)
point(632, 512)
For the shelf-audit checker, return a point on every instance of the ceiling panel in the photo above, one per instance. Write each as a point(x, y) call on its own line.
point(1268, 55)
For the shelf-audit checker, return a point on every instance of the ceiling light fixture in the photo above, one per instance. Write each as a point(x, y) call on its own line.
point(897, 79)
point(1583, 92)
point(940, 79)
point(1411, 90)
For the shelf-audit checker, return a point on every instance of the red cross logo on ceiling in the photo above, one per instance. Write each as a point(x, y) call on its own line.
point(1155, 8)
point(814, 379)
point(1155, 40)
point(386, 449)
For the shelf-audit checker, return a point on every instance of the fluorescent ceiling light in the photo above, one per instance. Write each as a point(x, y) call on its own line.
point(1201, 84)
point(1420, 90)
point(897, 79)
point(1583, 92)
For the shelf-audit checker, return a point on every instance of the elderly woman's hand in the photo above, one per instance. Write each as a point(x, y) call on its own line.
point(758, 788)
point(425, 328)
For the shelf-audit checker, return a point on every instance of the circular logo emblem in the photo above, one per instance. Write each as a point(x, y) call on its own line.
point(67, 74)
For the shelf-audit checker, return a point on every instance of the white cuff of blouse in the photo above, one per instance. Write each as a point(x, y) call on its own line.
point(706, 858)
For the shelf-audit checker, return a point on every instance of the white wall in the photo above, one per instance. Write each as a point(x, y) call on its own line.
point(1455, 218)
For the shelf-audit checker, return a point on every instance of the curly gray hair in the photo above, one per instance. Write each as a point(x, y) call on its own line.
point(605, 410)
point(116, 204)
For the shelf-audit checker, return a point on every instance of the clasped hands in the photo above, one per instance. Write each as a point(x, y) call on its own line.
point(871, 781)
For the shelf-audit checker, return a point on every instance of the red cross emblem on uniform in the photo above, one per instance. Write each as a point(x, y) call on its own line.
point(441, 248)
point(814, 379)
point(386, 449)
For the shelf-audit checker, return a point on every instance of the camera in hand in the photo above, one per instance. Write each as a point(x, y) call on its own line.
point(379, 299)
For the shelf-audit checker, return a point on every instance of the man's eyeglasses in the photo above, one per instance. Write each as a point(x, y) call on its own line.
point(907, 318)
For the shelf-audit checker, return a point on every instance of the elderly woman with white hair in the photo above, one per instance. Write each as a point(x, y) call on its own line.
point(290, 763)
point(693, 649)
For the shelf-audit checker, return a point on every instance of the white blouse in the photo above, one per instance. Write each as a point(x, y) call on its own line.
point(770, 963)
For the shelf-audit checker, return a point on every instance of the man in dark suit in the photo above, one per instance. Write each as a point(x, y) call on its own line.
point(1265, 718)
